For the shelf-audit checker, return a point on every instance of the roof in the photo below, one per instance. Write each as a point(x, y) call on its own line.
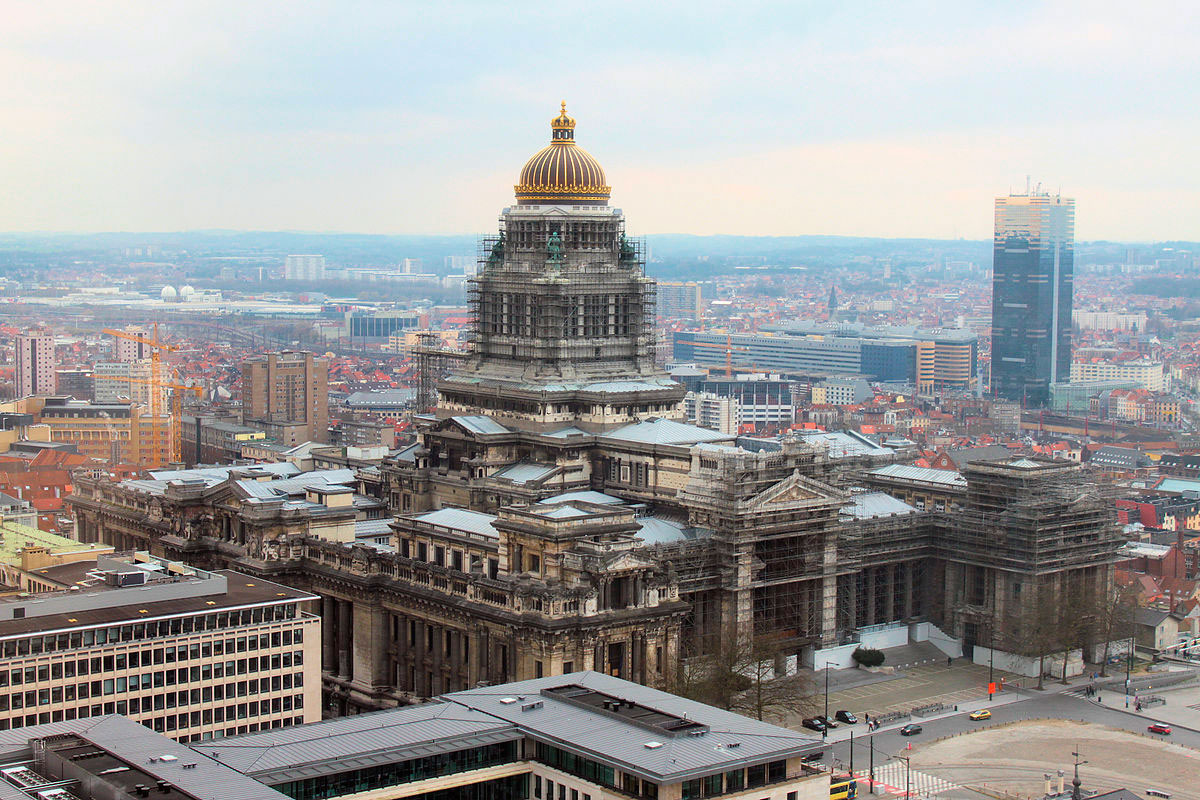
point(136, 744)
point(477, 423)
point(241, 590)
point(613, 738)
point(665, 431)
point(15, 537)
point(844, 444)
point(962, 456)
point(461, 519)
point(944, 477)
point(362, 740)
point(586, 496)
point(869, 505)
point(661, 530)
point(526, 472)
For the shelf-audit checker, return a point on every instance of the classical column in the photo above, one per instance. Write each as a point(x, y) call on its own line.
point(329, 634)
point(889, 593)
point(870, 589)
point(344, 634)
point(419, 684)
point(908, 589)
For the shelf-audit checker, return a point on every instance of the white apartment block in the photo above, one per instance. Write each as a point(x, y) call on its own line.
point(304, 268)
point(1149, 375)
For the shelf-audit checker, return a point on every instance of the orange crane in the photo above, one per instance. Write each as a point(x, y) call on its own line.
point(176, 424)
point(728, 347)
point(157, 349)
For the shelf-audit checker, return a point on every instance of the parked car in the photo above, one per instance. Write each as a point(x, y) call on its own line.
point(813, 758)
point(911, 729)
point(1160, 727)
point(815, 724)
point(830, 722)
point(846, 717)
point(982, 713)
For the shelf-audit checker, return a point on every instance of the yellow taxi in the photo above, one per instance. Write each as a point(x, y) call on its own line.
point(982, 713)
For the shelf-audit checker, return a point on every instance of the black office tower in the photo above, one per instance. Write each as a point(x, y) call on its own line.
point(1033, 265)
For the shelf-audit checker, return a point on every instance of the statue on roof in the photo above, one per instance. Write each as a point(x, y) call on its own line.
point(554, 249)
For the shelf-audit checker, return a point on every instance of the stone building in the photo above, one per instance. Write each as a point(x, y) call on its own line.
point(556, 514)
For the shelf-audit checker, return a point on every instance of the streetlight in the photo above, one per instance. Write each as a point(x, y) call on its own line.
point(907, 776)
point(825, 726)
point(1128, 665)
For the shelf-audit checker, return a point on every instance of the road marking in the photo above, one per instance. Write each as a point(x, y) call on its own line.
point(893, 775)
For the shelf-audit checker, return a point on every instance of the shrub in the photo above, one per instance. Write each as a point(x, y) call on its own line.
point(868, 657)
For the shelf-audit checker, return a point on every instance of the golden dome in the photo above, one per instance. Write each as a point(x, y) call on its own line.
point(562, 173)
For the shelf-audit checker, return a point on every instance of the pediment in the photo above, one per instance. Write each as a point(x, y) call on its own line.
point(792, 491)
point(628, 561)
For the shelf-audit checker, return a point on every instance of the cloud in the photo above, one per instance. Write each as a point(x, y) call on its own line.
point(891, 119)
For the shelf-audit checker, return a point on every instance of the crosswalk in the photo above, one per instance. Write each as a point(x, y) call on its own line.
point(921, 783)
point(1078, 691)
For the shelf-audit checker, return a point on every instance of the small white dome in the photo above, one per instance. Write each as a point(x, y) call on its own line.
point(169, 293)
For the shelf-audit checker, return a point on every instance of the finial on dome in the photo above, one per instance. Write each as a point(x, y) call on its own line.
point(564, 108)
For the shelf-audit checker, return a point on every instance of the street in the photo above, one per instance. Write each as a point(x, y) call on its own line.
point(889, 744)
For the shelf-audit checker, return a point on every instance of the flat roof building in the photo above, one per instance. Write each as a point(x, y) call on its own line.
point(190, 653)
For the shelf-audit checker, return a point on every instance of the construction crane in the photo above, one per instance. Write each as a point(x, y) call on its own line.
point(157, 349)
point(728, 347)
point(176, 413)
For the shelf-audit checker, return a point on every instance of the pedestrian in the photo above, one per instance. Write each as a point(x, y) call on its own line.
point(949, 661)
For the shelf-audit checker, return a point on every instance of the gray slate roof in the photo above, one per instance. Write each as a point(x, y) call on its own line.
point(665, 431)
point(461, 519)
point(870, 505)
point(907, 472)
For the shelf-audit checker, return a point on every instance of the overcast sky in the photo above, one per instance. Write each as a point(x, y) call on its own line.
point(880, 119)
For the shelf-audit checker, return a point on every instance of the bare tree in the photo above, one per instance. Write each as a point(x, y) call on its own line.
point(745, 676)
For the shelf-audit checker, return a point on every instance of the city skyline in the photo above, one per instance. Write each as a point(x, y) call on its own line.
point(382, 121)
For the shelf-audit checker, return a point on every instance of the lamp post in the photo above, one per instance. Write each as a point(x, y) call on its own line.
point(825, 727)
point(1128, 665)
point(907, 777)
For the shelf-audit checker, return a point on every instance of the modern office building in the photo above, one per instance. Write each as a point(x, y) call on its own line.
point(304, 268)
point(1032, 291)
point(78, 383)
point(289, 389)
point(680, 300)
point(190, 653)
point(583, 736)
point(380, 324)
point(35, 364)
point(932, 360)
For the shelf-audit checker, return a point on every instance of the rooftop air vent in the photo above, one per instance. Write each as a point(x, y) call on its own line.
point(652, 745)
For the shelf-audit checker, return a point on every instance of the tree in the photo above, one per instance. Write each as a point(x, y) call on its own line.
point(744, 675)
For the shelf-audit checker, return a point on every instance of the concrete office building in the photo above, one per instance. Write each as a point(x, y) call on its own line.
point(1032, 293)
point(35, 364)
point(1148, 375)
point(287, 392)
point(190, 653)
point(680, 300)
